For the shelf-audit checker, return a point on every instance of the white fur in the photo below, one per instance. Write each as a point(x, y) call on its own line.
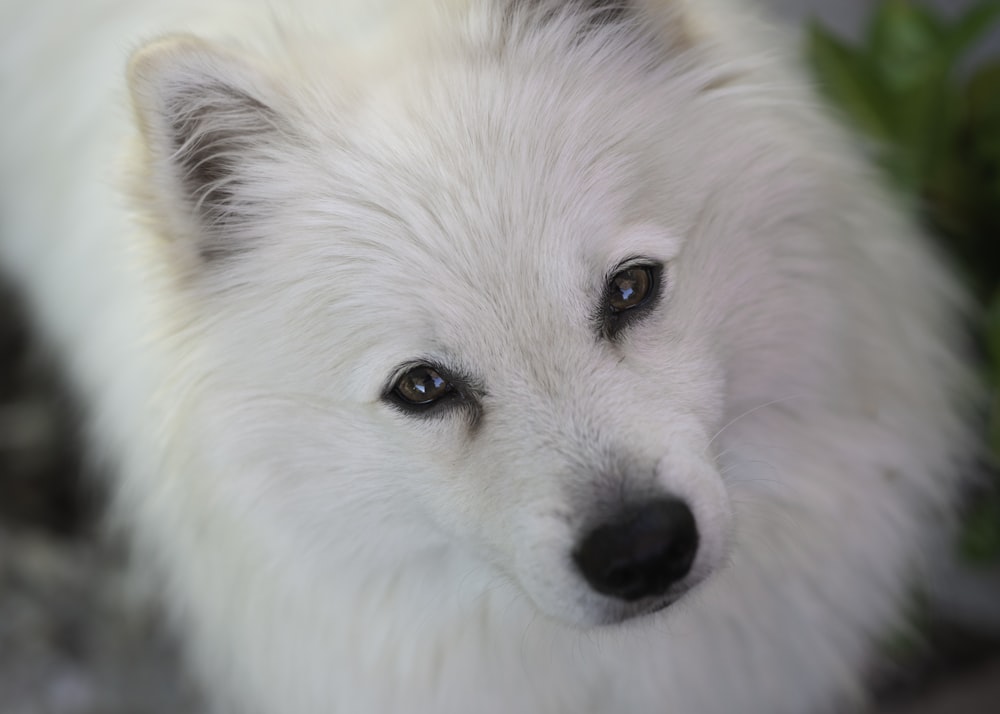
point(446, 183)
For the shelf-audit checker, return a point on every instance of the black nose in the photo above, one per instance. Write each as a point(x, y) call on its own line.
point(641, 552)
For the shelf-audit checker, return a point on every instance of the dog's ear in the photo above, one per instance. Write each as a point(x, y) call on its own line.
point(210, 126)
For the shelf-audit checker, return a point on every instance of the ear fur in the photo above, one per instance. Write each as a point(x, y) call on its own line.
point(209, 123)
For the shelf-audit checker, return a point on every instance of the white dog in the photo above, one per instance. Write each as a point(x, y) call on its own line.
point(494, 356)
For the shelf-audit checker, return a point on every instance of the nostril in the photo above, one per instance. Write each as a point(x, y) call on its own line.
point(641, 552)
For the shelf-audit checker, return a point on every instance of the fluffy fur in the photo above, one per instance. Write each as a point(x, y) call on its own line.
point(299, 205)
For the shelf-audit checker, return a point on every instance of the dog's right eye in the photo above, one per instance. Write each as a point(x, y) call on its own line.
point(421, 386)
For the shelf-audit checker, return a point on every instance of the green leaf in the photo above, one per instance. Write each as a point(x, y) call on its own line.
point(963, 34)
point(983, 101)
point(895, 20)
point(992, 328)
point(931, 115)
point(904, 43)
point(846, 78)
point(980, 540)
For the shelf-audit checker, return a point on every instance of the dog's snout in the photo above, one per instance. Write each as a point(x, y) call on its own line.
point(641, 552)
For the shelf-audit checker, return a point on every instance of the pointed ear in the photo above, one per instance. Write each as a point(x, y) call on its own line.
point(211, 130)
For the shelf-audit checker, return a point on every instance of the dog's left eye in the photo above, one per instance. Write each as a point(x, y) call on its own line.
point(425, 389)
point(630, 292)
point(421, 386)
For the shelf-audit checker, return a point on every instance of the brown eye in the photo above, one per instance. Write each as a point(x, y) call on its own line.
point(631, 293)
point(629, 288)
point(422, 386)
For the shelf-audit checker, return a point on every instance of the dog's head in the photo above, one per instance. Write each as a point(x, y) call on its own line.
point(457, 292)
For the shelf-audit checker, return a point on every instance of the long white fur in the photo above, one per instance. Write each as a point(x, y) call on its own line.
point(454, 182)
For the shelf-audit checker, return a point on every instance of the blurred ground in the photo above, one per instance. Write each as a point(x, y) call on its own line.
point(74, 636)
point(73, 640)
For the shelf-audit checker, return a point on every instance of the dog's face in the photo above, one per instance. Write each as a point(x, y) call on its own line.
point(458, 309)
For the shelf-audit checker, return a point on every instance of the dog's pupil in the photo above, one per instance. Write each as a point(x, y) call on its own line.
point(629, 288)
point(422, 385)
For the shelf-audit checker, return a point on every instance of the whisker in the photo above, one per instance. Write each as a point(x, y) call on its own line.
point(750, 411)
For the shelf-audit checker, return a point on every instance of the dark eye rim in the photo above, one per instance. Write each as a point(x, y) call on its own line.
point(457, 393)
point(614, 320)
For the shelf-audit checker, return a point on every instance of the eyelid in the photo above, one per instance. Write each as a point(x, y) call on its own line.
point(627, 264)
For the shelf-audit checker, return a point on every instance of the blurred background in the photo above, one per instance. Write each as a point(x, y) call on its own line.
point(920, 83)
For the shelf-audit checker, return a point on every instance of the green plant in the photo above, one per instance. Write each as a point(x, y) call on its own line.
point(933, 123)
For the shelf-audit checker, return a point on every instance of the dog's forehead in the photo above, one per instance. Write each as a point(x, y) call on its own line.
point(479, 164)
point(495, 198)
